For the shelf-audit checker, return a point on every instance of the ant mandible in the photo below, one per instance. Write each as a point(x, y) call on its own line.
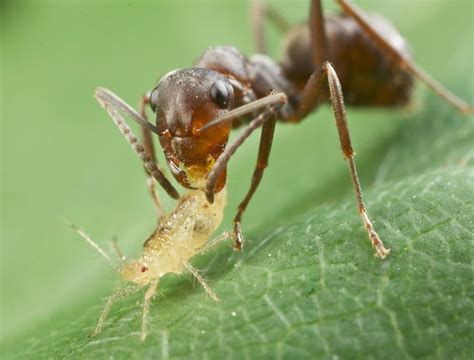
point(196, 108)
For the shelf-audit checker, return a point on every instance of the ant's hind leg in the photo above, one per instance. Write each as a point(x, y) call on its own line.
point(146, 308)
point(260, 11)
point(118, 294)
point(310, 97)
point(150, 150)
point(403, 61)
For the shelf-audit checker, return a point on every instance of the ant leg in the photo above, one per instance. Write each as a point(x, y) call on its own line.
point(317, 30)
point(266, 139)
point(112, 103)
point(403, 61)
point(258, 12)
point(118, 294)
point(266, 118)
point(269, 104)
point(150, 149)
point(310, 97)
point(201, 280)
point(146, 307)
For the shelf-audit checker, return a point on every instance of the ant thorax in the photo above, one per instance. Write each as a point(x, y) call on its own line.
point(178, 237)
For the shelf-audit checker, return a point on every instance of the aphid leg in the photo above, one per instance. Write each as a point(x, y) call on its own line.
point(150, 150)
point(310, 98)
point(267, 119)
point(118, 294)
point(260, 11)
point(201, 280)
point(214, 242)
point(146, 307)
point(112, 103)
point(317, 30)
point(359, 16)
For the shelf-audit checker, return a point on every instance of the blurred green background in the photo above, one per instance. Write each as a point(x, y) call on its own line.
point(62, 158)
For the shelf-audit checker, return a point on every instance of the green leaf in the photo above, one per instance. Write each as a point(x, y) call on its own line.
point(307, 284)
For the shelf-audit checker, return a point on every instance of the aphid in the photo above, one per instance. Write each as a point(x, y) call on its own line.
point(196, 108)
point(178, 237)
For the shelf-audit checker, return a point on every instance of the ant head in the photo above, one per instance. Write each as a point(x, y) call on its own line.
point(138, 272)
point(184, 101)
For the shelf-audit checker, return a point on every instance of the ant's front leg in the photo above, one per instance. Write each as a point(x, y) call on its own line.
point(266, 139)
point(311, 94)
point(266, 119)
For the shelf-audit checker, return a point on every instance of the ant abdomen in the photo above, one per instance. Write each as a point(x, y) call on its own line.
point(369, 76)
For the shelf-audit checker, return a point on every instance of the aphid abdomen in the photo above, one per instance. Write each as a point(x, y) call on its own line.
point(184, 232)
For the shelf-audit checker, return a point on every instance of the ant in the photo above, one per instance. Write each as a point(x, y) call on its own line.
point(196, 108)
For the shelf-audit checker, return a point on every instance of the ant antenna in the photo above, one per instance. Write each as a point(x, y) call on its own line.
point(94, 245)
point(272, 99)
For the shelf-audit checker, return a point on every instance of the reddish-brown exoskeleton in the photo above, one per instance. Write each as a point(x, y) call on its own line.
point(360, 56)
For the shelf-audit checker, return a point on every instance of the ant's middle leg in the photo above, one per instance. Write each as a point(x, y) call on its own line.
point(404, 62)
point(311, 94)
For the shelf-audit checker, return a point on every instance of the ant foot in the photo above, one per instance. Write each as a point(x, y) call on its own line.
point(238, 237)
point(380, 249)
point(94, 334)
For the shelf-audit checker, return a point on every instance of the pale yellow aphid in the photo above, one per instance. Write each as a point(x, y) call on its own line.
point(178, 237)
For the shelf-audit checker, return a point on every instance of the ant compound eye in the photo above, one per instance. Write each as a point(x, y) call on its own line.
point(143, 269)
point(222, 94)
point(153, 99)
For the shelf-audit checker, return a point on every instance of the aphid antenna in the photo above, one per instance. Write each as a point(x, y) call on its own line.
point(117, 249)
point(92, 243)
